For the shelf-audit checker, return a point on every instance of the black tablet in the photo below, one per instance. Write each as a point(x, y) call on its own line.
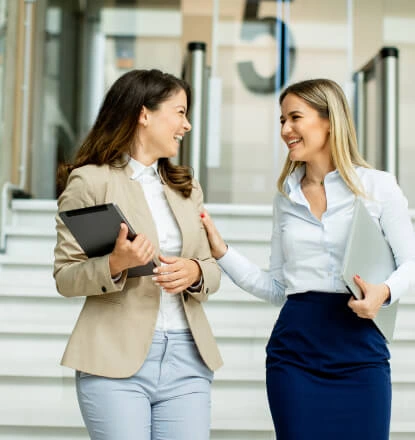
point(96, 229)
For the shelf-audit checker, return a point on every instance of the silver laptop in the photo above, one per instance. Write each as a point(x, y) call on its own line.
point(369, 255)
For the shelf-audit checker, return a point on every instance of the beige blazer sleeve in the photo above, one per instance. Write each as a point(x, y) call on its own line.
point(74, 272)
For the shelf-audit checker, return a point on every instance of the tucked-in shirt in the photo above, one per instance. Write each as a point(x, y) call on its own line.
point(307, 253)
point(171, 314)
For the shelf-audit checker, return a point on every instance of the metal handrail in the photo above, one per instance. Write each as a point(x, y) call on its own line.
point(6, 191)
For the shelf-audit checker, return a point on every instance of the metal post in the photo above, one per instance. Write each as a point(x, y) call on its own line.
point(389, 83)
point(193, 150)
point(360, 111)
point(25, 93)
point(383, 68)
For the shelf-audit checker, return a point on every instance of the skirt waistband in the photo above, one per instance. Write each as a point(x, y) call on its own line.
point(318, 296)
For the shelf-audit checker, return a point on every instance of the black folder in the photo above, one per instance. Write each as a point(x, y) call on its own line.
point(96, 229)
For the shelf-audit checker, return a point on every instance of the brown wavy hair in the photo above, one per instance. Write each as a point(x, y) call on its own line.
point(114, 131)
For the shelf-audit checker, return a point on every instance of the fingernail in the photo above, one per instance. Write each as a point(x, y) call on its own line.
point(357, 276)
point(202, 215)
point(155, 270)
point(154, 278)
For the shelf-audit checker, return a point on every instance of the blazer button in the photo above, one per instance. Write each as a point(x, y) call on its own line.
point(104, 289)
point(185, 296)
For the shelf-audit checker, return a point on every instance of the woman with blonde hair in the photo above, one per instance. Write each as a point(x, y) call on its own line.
point(328, 372)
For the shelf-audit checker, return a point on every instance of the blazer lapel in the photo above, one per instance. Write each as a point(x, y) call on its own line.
point(129, 196)
point(182, 212)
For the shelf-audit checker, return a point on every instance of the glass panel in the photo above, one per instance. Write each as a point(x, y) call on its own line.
point(141, 35)
point(399, 31)
point(259, 46)
point(262, 44)
point(6, 151)
point(3, 31)
point(55, 127)
point(87, 46)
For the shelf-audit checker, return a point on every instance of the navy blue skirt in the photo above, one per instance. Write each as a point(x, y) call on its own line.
point(328, 373)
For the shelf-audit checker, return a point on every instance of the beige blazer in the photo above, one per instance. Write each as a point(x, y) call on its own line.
point(114, 331)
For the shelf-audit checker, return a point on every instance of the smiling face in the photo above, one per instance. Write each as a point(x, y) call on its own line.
point(161, 131)
point(304, 131)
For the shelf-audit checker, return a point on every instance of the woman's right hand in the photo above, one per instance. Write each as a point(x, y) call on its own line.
point(128, 253)
point(217, 245)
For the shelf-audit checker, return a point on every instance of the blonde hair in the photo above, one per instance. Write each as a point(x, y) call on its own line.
point(328, 99)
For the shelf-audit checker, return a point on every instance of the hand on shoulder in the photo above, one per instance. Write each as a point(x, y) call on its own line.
point(217, 244)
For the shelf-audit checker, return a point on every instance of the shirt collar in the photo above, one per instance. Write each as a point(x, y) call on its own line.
point(138, 168)
point(294, 179)
point(293, 183)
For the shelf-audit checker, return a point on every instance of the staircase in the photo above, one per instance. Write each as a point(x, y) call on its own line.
point(37, 395)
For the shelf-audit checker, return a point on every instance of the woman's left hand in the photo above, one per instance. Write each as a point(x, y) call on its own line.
point(374, 296)
point(177, 274)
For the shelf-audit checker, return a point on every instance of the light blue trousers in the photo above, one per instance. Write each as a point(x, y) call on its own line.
point(167, 399)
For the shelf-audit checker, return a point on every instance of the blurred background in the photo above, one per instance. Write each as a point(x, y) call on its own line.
point(58, 58)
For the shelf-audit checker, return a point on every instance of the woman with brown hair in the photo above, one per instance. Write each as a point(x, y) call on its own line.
point(142, 348)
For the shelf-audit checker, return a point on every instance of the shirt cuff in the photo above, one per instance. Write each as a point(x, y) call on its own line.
point(227, 260)
point(392, 298)
point(116, 278)
point(196, 287)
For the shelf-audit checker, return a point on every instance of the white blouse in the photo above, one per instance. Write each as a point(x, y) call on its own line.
point(171, 314)
point(307, 253)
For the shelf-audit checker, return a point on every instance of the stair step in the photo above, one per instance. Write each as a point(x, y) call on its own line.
point(63, 433)
point(52, 402)
point(38, 395)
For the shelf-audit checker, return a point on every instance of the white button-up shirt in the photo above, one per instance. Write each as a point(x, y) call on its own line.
point(171, 314)
point(307, 253)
